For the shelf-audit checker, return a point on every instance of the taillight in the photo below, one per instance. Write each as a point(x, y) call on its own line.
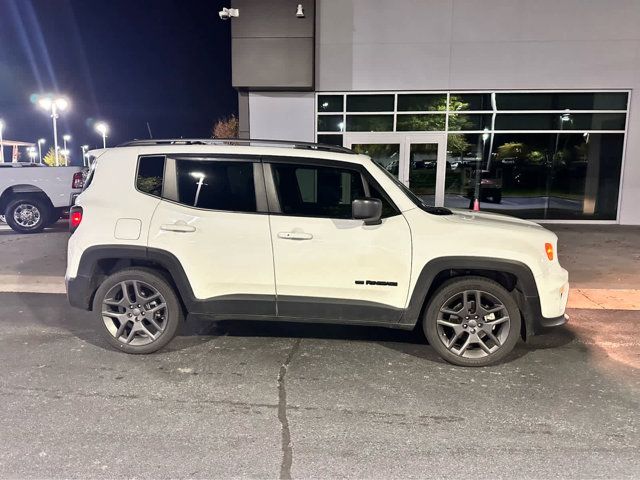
point(75, 218)
point(78, 180)
point(548, 248)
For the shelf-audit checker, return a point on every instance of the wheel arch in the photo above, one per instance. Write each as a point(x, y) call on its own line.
point(22, 190)
point(515, 276)
point(100, 261)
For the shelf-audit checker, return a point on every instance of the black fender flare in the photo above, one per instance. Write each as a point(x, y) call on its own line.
point(82, 287)
point(526, 291)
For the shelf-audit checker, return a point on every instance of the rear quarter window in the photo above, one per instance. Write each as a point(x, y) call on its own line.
point(150, 175)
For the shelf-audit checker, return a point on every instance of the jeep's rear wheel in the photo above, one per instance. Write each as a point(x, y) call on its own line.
point(138, 309)
point(472, 321)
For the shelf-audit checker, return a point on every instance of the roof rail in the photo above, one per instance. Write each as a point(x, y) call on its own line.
point(240, 141)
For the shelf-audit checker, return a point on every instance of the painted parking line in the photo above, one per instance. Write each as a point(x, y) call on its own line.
point(31, 284)
point(604, 299)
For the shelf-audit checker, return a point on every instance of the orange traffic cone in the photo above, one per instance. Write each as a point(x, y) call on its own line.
point(476, 205)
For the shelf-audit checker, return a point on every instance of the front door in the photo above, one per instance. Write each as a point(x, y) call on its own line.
point(417, 159)
point(329, 266)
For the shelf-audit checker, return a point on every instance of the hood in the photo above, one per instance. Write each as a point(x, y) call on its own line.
point(487, 219)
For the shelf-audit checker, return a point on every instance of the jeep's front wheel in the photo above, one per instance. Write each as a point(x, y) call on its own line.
point(138, 309)
point(472, 321)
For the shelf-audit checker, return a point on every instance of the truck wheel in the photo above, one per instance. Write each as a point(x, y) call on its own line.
point(27, 215)
point(138, 309)
point(472, 321)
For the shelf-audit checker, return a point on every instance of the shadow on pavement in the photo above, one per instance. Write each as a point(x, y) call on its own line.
point(53, 310)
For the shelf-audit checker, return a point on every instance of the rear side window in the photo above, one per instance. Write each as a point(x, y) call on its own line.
point(150, 175)
point(216, 185)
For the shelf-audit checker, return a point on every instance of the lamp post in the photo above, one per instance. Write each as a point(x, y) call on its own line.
point(476, 193)
point(65, 154)
point(65, 139)
point(41, 141)
point(102, 128)
point(84, 154)
point(54, 105)
point(1, 142)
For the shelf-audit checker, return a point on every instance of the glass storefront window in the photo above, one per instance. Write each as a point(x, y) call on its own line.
point(539, 155)
point(469, 121)
point(369, 123)
point(560, 121)
point(370, 103)
point(540, 176)
point(330, 139)
point(421, 102)
point(330, 103)
point(330, 123)
point(421, 123)
point(469, 101)
point(562, 101)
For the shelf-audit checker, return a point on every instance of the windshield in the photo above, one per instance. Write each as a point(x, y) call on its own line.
point(412, 196)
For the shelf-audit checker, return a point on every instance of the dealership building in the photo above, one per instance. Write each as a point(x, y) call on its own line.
point(529, 106)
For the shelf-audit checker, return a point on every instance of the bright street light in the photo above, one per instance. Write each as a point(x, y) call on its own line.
point(102, 128)
point(1, 142)
point(54, 105)
point(41, 141)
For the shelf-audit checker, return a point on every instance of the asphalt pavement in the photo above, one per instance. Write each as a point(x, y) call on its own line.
point(248, 399)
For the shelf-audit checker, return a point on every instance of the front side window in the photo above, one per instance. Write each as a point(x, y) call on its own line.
point(216, 185)
point(150, 175)
point(317, 191)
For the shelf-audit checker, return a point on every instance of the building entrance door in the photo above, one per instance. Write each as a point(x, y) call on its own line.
point(417, 159)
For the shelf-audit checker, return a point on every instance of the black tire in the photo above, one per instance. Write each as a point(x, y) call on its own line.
point(447, 295)
point(173, 314)
point(37, 206)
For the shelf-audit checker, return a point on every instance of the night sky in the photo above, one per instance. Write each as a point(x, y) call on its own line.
point(127, 62)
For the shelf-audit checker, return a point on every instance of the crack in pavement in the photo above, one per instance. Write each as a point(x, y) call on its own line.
point(287, 448)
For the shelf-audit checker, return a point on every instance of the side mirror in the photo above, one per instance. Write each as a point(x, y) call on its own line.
point(367, 209)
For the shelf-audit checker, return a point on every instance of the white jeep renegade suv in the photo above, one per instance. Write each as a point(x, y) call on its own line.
point(299, 232)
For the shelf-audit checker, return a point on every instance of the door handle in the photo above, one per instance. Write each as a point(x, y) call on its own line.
point(181, 227)
point(295, 236)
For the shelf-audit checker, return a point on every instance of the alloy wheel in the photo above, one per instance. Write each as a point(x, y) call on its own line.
point(473, 324)
point(134, 312)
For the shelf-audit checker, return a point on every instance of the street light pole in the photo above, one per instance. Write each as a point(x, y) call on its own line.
point(53, 105)
point(54, 115)
point(40, 143)
point(84, 154)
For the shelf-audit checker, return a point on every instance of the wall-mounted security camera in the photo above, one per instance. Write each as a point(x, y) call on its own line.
point(227, 13)
point(300, 11)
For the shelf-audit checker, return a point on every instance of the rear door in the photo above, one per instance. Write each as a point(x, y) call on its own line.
point(213, 219)
point(328, 265)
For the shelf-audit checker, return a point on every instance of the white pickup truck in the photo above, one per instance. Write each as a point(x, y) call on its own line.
point(34, 196)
